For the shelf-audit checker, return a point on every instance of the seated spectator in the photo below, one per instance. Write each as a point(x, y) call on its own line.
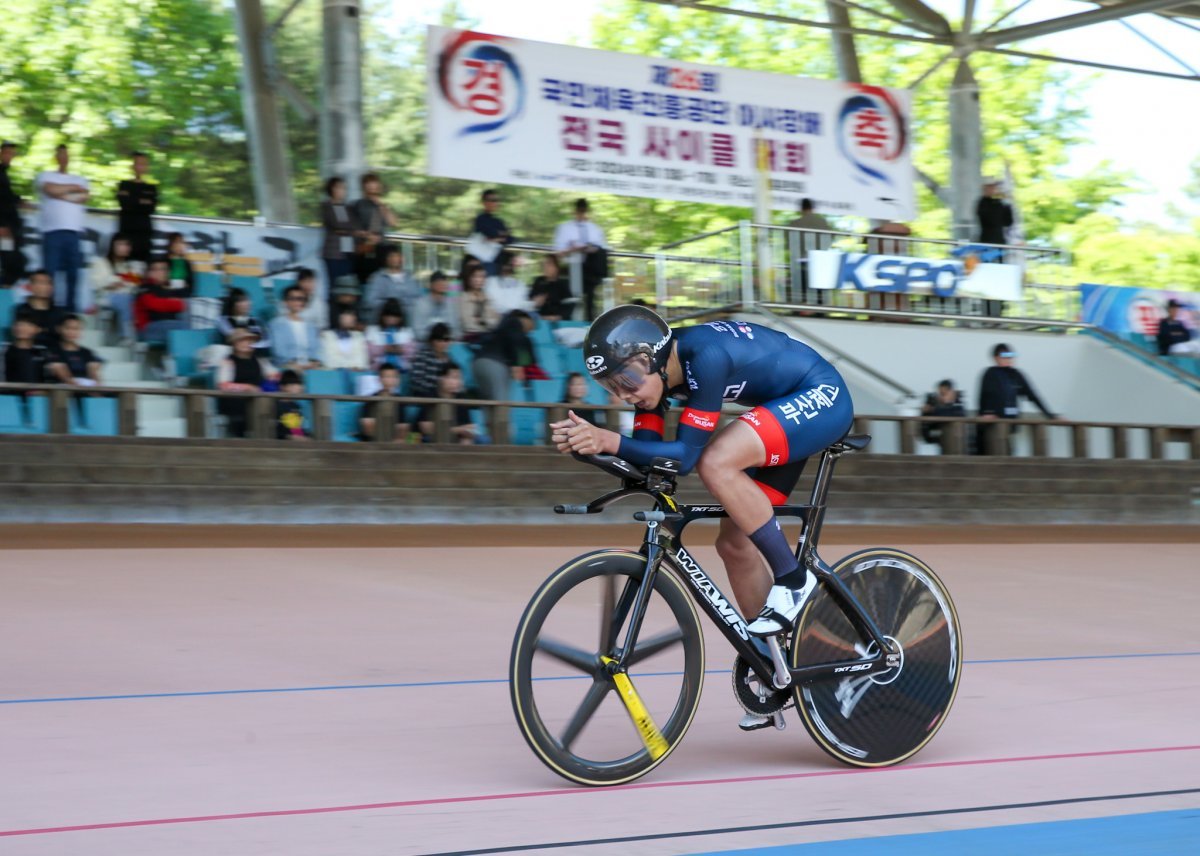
point(347, 294)
point(428, 363)
point(316, 311)
point(946, 401)
point(242, 371)
point(575, 395)
point(450, 386)
point(478, 314)
point(71, 362)
point(345, 347)
point(41, 309)
point(24, 359)
point(620, 421)
point(389, 385)
point(437, 306)
point(1173, 336)
point(505, 355)
point(505, 291)
point(115, 277)
point(180, 279)
point(295, 342)
point(158, 308)
point(391, 341)
point(550, 293)
point(235, 315)
point(289, 416)
point(390, 282)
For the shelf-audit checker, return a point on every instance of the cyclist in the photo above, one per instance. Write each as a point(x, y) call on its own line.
point(799, 405)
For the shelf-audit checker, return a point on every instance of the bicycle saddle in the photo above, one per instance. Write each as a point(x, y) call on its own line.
point(851, 442)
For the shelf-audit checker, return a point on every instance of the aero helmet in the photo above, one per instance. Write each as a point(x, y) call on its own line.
point(621, 334)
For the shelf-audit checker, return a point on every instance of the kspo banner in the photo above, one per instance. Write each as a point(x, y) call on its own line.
point(522, 112)
point(939, 277)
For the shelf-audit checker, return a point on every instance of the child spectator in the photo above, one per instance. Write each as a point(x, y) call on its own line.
point(181, 278)
point(389, 385)
point(390, 282)
point(438, 305)
point(506, 291)
point(158, 309)
point(241, 371)
point(289, 417)
point(41, 309)
point(71, 362)
point(391, 341)
point(450, 386)
point(345, 347)
point(25, 359)
point(429, 361)
point(115, 277)
point(550, 293)
point(295, 342)
point(235, 315)
point(478, 314)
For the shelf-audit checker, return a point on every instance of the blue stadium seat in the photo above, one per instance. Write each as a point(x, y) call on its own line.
point(527, 425)
point(345, 421)
point(184, 346)
point(208, 284)
point(326, 382)
point(6, 307)
point(24, 416)
point(94, 417)
point(462, 354)
point(547, 391)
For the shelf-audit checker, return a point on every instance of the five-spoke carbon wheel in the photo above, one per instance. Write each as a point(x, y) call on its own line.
point(885, 717)
point(567, 703)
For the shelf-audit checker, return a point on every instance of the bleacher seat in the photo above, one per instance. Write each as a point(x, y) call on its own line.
point(345, 421)
point(6, 308)
point(326, 382)
point(93, 417)
point(546, 391)
point(208, 284)
point(184, 347)
point(24, 416)
point(462, 354)
point(527, 425)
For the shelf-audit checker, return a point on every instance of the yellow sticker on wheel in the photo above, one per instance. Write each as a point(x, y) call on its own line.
point(655, 743)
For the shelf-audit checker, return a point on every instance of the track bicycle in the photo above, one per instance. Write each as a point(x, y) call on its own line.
point(871, 665)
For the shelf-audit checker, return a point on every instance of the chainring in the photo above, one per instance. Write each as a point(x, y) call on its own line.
point(755, 696)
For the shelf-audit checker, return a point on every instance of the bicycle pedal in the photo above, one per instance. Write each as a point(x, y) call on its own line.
point(779, 721)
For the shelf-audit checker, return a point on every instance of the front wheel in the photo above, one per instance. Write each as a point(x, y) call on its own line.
point(885, 717)
point(584, 722)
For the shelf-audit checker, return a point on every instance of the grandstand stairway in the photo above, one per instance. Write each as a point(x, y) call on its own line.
point(158, 416)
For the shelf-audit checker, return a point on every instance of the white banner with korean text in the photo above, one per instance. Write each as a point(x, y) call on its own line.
point(904, 275)
point(521, 112)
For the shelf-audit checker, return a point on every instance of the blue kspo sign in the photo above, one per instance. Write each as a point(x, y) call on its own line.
point(830, 269)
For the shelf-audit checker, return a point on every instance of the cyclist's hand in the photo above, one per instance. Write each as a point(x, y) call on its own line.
point(578, 435)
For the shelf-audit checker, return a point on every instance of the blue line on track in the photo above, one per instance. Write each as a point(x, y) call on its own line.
point(415, 684)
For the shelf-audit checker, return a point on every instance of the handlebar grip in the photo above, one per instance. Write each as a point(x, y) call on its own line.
point(570, 509)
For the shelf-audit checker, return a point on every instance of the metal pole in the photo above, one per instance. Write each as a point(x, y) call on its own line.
point(343, 152)
point(747, 261)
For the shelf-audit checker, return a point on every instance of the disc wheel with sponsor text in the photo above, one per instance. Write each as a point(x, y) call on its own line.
point(885, 717)
point(585, 722)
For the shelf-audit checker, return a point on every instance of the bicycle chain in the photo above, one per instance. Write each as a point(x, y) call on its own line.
point(753, 695)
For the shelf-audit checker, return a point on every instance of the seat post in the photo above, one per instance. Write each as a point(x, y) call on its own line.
point(816, 515)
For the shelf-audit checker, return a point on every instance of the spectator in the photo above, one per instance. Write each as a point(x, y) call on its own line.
point(115, 277)
point(316, 311)
point(390, 282)
point(289, 415)
point(621, 420)
point(437, 306)
point(427, 364)
point(580, 243)
point(550, 294)
point(390, 341)
point(345, 347)
point(373, 218)
point(575, 397)
point(25, 359)
point(491, 230)
point(244, 370)
point(138, 200)
point(180, 279)
point(389, 386)
point(12, 259)
point(158, 309)
point(478, 314)
point(41, 309)
point(295, 342)
point(450, 386)
point(803, 243)
point(341, 229)
point(63, 207)
point(505, 291)
point(346, 297)
point(236, 315)
point(995, 215)
point(945, 401)
point(71, 362)
point(504, 356)
point(1173, 336)
point(1000, 389)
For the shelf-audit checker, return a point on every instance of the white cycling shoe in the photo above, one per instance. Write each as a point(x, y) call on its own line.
point(782, 607)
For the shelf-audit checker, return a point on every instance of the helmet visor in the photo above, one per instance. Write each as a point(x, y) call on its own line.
point(628, 377)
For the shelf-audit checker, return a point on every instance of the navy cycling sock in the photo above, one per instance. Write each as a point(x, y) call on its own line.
point(773, 544)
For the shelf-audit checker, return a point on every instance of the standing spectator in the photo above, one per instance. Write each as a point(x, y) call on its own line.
point(580, 242)
point(158, 309)
point(391, 281)
point(505, 292)
point(389, 386)
point(427, 364)
point(138, 199)
point(181, 278)
point(450, 386)
point(345, 347)
point(999, 390)
point(390, 341)
point(478, 314)
point(42, 310)
point(115, 277)
point(492, 229)
point(802, 243)
point(71, 362)
point(63, 207)
point(12, 259)
point(341, 229)
point(1173, 336)
point(316, 311)
point(244, 370)
point(236, 315)
point(504, 356)
point(550, 294)
point(289, 415)
point(373, 218)
point(295, 342)
point(945, 401)
point(994, 213)
point(24, 358)
point(437, 306)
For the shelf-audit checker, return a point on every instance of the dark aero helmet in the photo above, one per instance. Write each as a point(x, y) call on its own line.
point(622, 333)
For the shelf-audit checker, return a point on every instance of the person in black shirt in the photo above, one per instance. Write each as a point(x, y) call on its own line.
point(1000, 389)
point(946, 401)
point(71, 362)
point(462, 429)
point(12, 260)
point(492, 228)
point(995, 215)
point(242, 371)
point(389, 386)
point(427, 364)
point(42, 310)
point(1172, 333)
point(550, 292)
point(138, 199)
point(289, 416)
point(24, 359)
point(504, 354)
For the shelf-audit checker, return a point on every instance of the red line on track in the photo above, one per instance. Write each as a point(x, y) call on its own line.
point(580, 791)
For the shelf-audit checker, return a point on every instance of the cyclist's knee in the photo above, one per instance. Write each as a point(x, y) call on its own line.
point(718, 463)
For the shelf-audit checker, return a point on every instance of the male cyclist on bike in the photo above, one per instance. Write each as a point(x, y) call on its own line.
point(800, 405)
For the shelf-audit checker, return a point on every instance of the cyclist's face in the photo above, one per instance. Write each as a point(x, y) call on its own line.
point(634, 383)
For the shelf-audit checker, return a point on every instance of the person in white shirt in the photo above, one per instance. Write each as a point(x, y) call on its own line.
point(505, 292)
point(345, 347)
point(63, 206)
point(578, 242)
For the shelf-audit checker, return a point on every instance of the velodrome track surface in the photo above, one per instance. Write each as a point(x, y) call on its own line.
point(322, 691)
